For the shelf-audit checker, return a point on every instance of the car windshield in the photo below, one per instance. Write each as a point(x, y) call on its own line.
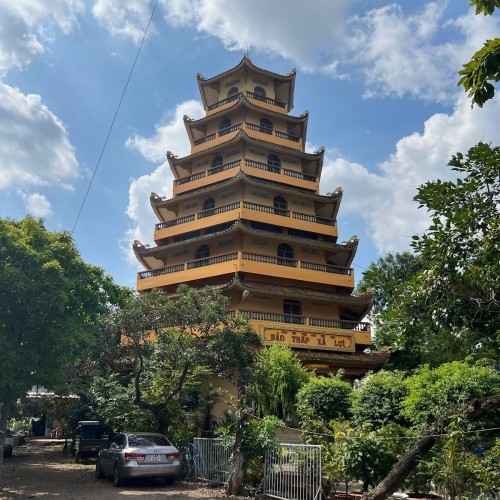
point(146, 441)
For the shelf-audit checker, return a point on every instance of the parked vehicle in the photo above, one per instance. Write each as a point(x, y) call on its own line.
point(139, 454)
point(87, 439)
point(8, 443)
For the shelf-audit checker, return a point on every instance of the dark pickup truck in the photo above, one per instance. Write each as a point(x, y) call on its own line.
point(87, 439)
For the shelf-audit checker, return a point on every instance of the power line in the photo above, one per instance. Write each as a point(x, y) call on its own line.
point(114, 118)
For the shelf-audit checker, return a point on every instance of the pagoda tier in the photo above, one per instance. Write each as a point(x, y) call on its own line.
point(246, 216)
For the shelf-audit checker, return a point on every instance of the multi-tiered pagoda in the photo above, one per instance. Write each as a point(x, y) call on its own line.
point(246, 216)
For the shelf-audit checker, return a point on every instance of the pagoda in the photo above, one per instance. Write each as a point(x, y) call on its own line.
point(246, 216)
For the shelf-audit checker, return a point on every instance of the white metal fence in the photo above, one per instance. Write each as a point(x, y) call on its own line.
point(293, 472)
point(210, 459)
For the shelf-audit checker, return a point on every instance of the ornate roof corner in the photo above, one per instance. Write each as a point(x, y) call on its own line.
point(305, 113)
point(137, 245)
point(338, 190)
point(155, 196)
point(187, 119)
point(246, 55)
point(171, 155)
point(320, 150)
point(199, 76)
point(292, 72)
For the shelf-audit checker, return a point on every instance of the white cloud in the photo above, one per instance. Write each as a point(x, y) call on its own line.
point(171, 136)
point(34, 146)
point(28, 25)
point(36, 204)
point(384, 199)
point(126, 19)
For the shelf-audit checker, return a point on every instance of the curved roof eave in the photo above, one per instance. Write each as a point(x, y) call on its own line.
point(242, 135)
point(243, 101)
point(332, 198)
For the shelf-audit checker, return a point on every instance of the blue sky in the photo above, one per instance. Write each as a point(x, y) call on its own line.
point(378, 78)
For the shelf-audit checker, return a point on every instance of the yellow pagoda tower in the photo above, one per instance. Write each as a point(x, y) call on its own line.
point(246, 216)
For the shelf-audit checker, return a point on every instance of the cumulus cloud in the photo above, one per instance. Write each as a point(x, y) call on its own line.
point(34, 145)
point(172, 136)
point(28, 25)
point(36, 204)
point(126, 19)
point(384, 199)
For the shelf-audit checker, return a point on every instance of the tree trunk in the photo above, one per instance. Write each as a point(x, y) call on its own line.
point(400, 471)
point(236, 475)
point(5, 408)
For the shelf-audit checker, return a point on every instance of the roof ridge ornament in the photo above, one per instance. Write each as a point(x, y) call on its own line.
point(186, 118)
point(320, 150)
point(200, 76)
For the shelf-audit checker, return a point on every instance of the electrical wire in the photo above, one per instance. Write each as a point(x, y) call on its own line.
point(114, 118)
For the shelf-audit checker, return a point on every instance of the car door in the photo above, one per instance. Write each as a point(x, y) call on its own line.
point(110, 455)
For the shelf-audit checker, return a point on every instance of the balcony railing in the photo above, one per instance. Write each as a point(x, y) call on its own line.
point(263, 98)
point(357, 326)
point(326, 268)
point(204, 139)
point(314, 218)
point(277, 170)
point(300, 175)
point(210, 171)
point(250, 206)
point(288, 137)
point(266, 259)
point(218, 104)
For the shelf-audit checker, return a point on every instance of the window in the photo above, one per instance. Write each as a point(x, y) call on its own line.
point(216, 162)
point(280, 206)
point(208, 204)
point(203, 252)
point(224, 126)
point(285, 252)
point(292, 310)
point(259, 93)
point(266, 126)
point(233, 92)
point(274, 163)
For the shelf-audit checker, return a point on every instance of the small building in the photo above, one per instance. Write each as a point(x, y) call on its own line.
point(247, 216)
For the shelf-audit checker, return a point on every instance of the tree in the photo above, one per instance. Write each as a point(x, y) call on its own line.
point(167, 346)
point(278, 376)
point(49, 301)
point(484, 65)
point(326, 398)
point(378, 400)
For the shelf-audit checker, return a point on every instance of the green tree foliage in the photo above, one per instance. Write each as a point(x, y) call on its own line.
point(168, 345)
point(484, 65)
point(378, 399)
point(49, 301)
point(459, 290)
point(278, 376)
point(326, 398)
point(436, 395)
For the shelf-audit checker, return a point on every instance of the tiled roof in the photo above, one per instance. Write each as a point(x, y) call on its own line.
point(375, 360)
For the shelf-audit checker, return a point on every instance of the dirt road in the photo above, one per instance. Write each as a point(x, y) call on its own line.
point(40, 469)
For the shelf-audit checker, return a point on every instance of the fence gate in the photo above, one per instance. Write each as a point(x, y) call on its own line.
point(211, 459)
point(293, 472)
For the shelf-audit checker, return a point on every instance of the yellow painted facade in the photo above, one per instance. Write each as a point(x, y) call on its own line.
point(247, 216)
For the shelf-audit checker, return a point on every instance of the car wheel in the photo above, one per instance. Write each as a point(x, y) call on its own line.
point(117, 478)
point(169, 479)
point(99, 474)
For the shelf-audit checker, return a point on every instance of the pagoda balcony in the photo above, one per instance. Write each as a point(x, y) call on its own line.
point(250, 167)
point(253, 130)
point(245, 210)
point(286, 328)
point(263, 101)
point(232, 262)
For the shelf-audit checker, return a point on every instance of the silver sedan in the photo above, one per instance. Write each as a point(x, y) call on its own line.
point(139, 454)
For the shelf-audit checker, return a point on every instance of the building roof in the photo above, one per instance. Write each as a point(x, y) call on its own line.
point(247, 63)
point(364, 360)
point(332, 199)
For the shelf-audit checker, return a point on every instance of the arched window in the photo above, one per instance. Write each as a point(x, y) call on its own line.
point(285, 251)
point(208, 208)
point(203, 252)
point(216, 164)
point(259, 93)
point(233, 92)
point(280, 205)
point(274, 163)
point(292, 311)
point(266, 126)
point(224, 126)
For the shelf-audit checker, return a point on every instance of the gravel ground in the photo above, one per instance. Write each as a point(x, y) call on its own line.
point(41, 469)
